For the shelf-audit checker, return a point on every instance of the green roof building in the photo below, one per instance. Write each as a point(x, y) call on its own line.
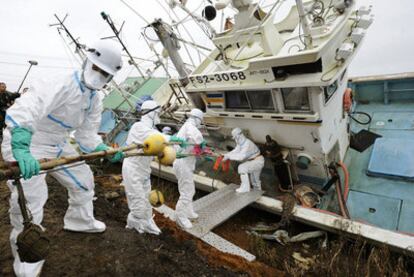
point(114, 99)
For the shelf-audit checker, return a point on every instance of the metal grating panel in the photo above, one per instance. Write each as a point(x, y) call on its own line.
point(220, 206)
point(225, 246)
point(207, 200)
point(212, 239)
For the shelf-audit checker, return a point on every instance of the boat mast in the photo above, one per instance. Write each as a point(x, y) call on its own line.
point(170, 42)
point(304, 24)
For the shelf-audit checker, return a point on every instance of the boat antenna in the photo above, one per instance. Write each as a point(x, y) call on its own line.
point(117, 33)
point(61, 26)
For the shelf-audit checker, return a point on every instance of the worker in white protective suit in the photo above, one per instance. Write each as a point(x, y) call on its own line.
point(252, 161)
point(38, 126)
point(184, 168)
point(136, 172)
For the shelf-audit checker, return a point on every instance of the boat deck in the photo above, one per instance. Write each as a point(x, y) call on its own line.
point(383, 201)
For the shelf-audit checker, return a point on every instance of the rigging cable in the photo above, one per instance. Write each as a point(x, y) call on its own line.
point(178, 31)
point(68, 52)
point(134, 11)
point(189, 35)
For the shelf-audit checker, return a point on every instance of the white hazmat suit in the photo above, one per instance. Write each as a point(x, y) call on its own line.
point(136, 173)
point(252, 162)
point(50, 111)
point(184, 169)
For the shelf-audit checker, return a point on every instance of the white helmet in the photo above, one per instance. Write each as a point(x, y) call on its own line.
point(149, 105)
point(197, 113)
point(106, 55)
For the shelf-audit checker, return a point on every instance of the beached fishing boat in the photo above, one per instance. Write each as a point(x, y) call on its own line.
point(341, 146)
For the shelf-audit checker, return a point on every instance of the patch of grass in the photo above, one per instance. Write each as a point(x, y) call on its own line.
point(342, 257)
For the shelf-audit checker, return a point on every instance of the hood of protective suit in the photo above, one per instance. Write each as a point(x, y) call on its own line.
point(151, 119)
point(93, 79)
point(195, 121)
point(239, 139)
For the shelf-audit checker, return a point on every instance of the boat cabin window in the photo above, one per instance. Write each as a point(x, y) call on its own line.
point(296, 99)
point(260, 99)
point(330, 90)
point(251, 100)
point(237, 100)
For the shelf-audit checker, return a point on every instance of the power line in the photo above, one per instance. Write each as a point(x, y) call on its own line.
point(31, 55)
point(9, 76)
point(44, 66)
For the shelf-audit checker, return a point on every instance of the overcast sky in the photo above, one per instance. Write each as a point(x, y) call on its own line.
point(26, 35)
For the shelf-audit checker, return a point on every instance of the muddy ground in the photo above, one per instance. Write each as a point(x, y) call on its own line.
point(122, 252)
point(118, 251)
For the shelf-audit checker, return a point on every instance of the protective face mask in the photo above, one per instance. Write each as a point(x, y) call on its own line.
point(93, 79)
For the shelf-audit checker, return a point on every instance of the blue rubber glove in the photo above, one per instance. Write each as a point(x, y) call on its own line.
point(182, 142)
point(20, 141)
point(115, 158)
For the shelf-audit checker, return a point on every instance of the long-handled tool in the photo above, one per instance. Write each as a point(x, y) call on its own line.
point(13, 171)
point(32, 242)
point(153, 146)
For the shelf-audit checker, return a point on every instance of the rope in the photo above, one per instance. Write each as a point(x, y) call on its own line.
point(361, 122)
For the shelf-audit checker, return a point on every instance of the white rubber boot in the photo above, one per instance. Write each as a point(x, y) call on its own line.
point(245, 184)
point(135, 223)
point(191, 214)
point(151, 227)
point(21, 268)
point(79, 218)
point(94, 227)
point(184, 222)
point(256, 183)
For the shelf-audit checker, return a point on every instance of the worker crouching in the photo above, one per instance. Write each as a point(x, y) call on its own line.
point(252, 161)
